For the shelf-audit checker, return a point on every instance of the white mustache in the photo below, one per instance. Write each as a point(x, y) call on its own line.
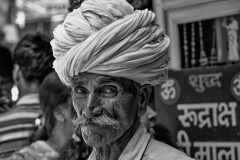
point(102, 121)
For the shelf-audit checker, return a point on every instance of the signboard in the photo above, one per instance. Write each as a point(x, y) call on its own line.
point(201, 107)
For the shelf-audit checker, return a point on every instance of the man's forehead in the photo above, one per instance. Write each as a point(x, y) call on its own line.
point(92, 77)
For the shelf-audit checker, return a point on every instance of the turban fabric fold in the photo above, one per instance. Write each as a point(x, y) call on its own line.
point(108, 37)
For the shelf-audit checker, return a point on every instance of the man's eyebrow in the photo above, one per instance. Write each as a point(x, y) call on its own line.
point(78, 83)
point(79, 80)
point(106, 79)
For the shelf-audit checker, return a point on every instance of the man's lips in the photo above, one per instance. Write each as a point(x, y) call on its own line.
point(93, 125)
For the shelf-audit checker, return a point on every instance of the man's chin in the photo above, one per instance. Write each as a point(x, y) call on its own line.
point(94, 140)
point(97, 136)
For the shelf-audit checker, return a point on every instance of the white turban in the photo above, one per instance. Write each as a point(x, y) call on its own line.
point(108, 37)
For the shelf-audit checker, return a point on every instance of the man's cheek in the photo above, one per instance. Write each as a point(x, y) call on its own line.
point(77, 105)
point(120, 107)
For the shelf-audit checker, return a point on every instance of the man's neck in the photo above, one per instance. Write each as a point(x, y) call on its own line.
point(114, 150)
point(28, 88)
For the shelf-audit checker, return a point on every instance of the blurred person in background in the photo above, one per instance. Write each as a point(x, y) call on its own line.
point(32, 58)
point(161, 133)
point(74, 4)
point(75, 149)
point(6, 80)
point(148, 119)
point(157, 131)
point(56, 104)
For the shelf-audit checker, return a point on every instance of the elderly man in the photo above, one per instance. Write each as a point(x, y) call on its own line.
point(110, 55)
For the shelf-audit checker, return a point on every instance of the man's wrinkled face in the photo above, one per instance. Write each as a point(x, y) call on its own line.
point(105, 107)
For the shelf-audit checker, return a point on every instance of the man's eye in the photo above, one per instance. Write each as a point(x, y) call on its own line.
point(109, 91)
point(79, 92)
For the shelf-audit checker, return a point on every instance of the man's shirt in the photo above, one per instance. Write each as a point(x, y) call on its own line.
point(17, 125)
point(142, 147)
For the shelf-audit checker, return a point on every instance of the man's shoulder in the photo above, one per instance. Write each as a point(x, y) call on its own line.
point(160, 151)
point(16, 126)
point(21, 112)
point(18, 119)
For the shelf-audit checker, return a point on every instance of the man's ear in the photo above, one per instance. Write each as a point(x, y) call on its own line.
point(58, 114)
point(16, 73)
point(145, 92)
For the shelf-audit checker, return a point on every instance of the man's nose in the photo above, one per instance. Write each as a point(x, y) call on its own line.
point(92, 106)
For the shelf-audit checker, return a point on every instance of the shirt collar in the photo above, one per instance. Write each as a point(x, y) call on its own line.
point(137, 145)
point(28, 99)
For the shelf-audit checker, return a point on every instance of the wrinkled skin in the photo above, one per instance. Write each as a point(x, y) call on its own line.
point(95, 95)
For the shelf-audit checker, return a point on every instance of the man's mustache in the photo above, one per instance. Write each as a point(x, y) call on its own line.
point(102, 121)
